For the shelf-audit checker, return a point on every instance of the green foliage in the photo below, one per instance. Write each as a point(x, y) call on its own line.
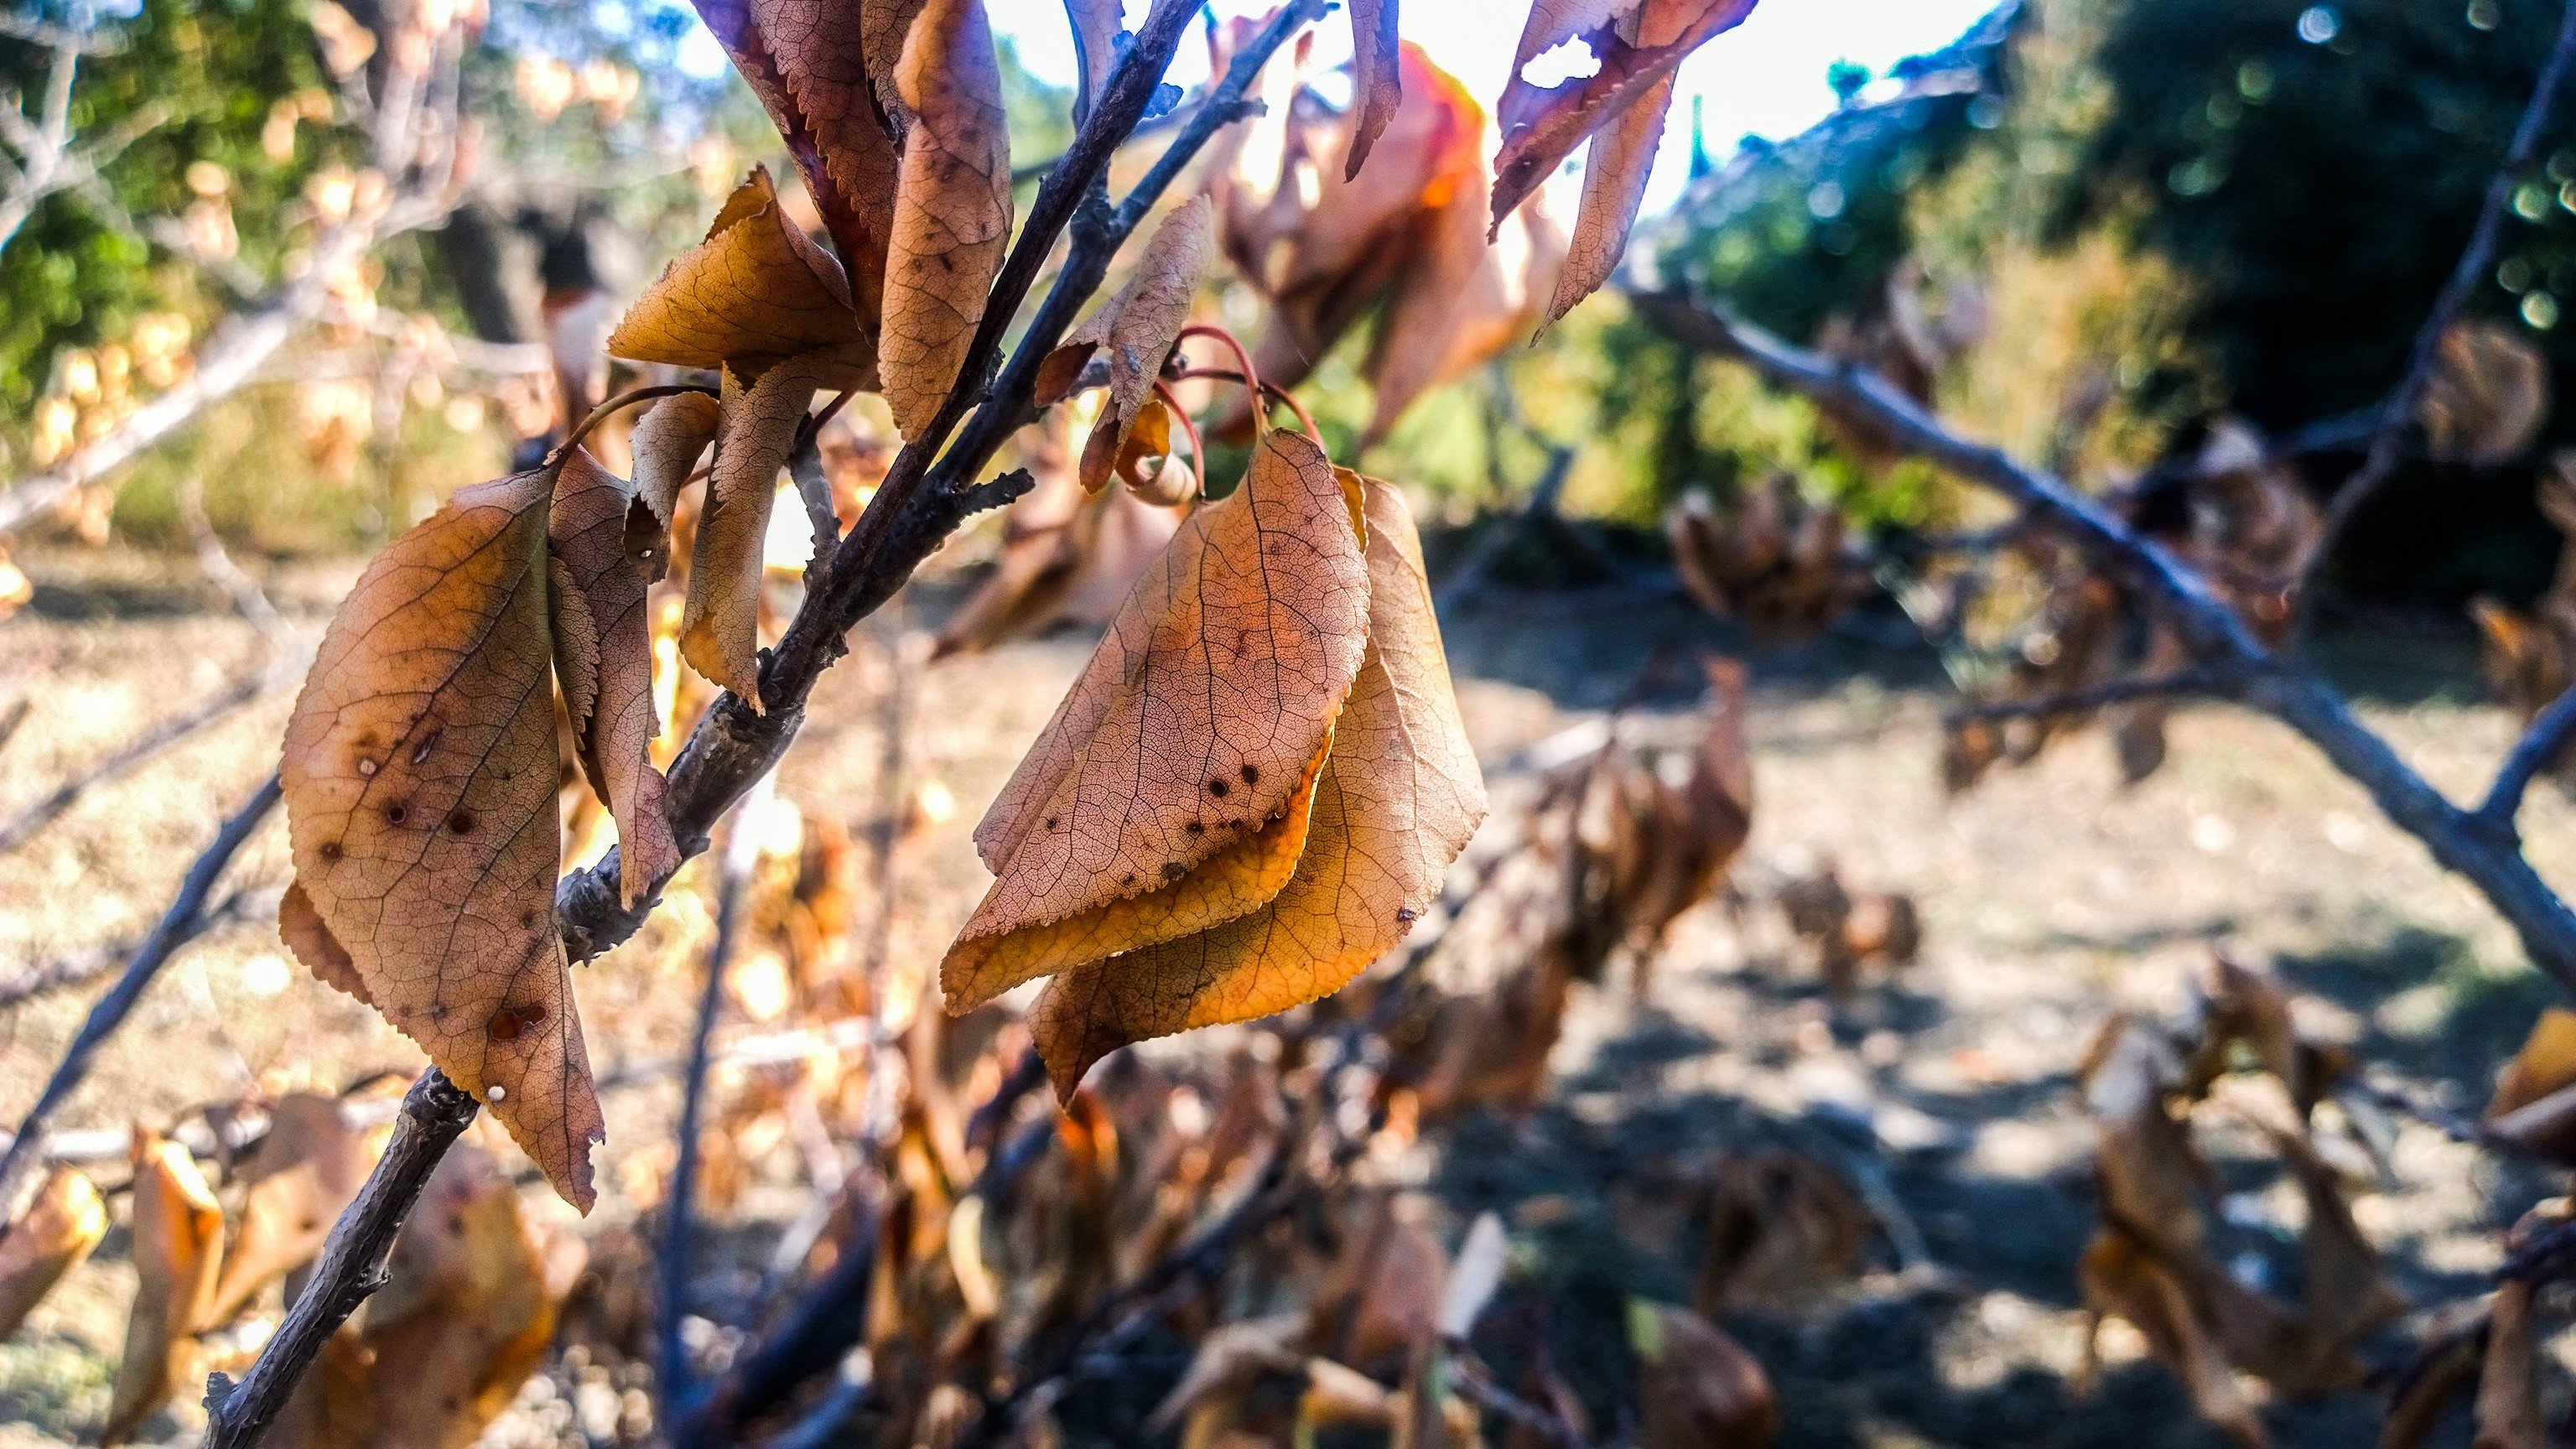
point(80, 271)
point(2319, 189)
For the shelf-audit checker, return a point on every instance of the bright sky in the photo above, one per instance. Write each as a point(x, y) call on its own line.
point(1766, 77)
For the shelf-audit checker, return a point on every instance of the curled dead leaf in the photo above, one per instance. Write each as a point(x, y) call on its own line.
point(420, 772)
point(1138, 325)
point(178, 1234)
point(61, 1224)
point(1199, 715)
point(755, 293)
point(1399, 795)
point(604, 563)
point(720, 626)
point(952, 209)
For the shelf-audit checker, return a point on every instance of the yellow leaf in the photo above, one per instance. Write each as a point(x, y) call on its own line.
point(952, 214)
point(1399, 795)
point(755, 293)
point(420, 778)
point(56, 1232)
point(178, 1247)
point(1200, 711)
point(589, 532)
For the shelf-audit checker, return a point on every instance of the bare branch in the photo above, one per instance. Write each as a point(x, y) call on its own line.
point(2093, 696)
point(741, 851)
point(242, 907)
point(178, 924)
point(2215, 637)
point(169, 734)
point(434, 1114)
point(2397, 414)
point(2539, 748)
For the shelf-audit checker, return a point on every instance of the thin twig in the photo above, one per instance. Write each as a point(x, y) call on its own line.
point(152, 742)
point(2397, 415)
point(180, 922)
point(2538, 749)
point(242, 907)
point(2093, 696)
point(742, 849)
point(2216, 638)
point(434, 1114)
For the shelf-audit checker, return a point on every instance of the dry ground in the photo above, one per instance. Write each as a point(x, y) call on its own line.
point(2051, 897)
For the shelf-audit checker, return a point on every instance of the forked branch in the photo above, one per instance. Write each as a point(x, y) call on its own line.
point(2216, 639)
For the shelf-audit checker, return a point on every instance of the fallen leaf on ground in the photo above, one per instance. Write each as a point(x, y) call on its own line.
point(62, 1223)
point(178, 1231)
point(420, 772)
point(305, 1171)
point(1696, 1387)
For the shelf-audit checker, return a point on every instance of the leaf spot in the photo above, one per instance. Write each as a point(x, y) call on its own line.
point(461, 823)
point(428, 742)
point(1218, 788)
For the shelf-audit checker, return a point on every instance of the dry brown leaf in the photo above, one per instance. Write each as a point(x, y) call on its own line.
point(1096, 26)
point(1614, 183)
point(720, 626)
point(1543, 124)
point(2508, 1405)
point(2488, 395)
point(62, 1223)
point(1202, 707)
point(1139, 325)
point(1246, 872)
point(301, 928)
point(1230, 1359)
point(856, 223)
point(467, 1312)
point(2121, 1275)
point(1377, 84)
point(952, 214)
point(826, 55)
point(178, 1234)
point(1399, 795)
point(755, 293)
point(309, 1167)
point(667, 443)
point(420, 777)
point(605, 563)
point(1696, 1387)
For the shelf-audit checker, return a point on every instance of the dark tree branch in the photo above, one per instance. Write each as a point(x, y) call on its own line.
point(2539, 748)
point(2093, 696)
point(671, 1304)
point(166, 735)
point(179, 923)
point(242, 906)
point(2215, 637)
point(435, 1112)
point(819, 1329)
point(2397, 414)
